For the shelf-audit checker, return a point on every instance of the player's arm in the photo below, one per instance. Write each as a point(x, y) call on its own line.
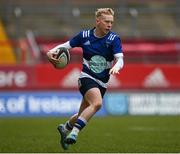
point(52, 54)
point(74, 42)
point(118, 65)
point(65, 45)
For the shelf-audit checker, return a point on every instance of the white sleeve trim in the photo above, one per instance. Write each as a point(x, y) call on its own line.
point(119, 61)
point(118, 55)
point(65, 45)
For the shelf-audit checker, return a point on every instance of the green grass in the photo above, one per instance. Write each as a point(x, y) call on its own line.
point(107, 134)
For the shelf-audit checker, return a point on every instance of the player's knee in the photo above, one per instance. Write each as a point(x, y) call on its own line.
point(97, 106)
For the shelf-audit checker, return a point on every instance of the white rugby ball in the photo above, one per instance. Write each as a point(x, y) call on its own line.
point(63, 57)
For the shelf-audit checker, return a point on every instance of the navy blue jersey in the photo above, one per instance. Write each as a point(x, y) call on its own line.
point(98, 53)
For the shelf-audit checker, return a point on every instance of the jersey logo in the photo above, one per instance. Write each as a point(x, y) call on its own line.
point(87, 43)
point(86, 33)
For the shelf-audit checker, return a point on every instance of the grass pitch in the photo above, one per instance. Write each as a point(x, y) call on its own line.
point(123, 134)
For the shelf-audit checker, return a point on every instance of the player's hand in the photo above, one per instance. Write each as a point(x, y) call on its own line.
point(52, 57)
point(114, 70)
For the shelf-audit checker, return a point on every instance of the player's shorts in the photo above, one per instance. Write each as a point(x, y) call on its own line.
point(87, 83)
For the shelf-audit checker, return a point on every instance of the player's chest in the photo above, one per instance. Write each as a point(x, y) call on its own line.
point(97, 47)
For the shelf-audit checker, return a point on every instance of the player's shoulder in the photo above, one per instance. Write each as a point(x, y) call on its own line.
point(85, 33)
point(112, 36)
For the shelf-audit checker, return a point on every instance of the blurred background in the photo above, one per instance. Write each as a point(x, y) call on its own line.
point(149, 83)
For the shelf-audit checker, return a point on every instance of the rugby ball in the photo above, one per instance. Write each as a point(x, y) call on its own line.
point(63, 58)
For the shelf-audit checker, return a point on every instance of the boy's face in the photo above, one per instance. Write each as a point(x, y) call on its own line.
point(104, 23)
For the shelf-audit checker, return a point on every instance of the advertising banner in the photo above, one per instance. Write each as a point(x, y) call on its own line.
point(150, 76)
point(132, 76)
point(40, 104)
point(154, 104)
point(116, 103)
point(16, 77)
point(53, 103)
point(49, 77)
point(142, 103)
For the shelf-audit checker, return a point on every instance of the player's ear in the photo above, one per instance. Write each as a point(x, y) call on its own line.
point(97, 21)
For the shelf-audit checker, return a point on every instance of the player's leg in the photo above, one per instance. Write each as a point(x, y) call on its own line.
point(71, 121)
point(63, 135)
point(64, 129)
point(93, 98)
point(83, 106)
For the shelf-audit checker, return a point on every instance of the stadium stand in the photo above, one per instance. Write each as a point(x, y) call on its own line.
point(56, 17)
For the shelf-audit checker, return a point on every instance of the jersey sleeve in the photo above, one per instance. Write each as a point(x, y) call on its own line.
point(116, 45)
point(76, 41)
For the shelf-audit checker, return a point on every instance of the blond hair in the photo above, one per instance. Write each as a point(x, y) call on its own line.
point(101, 11)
